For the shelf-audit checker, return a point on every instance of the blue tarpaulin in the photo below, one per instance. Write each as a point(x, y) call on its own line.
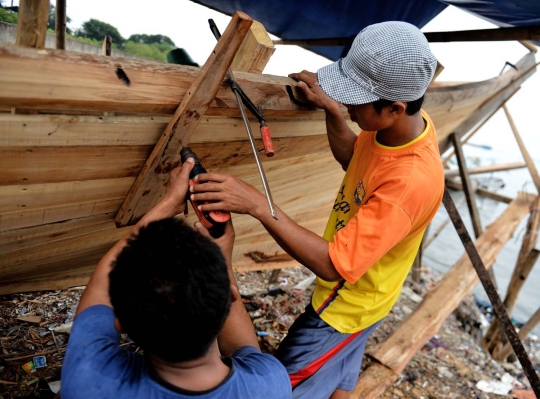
point(320, 19)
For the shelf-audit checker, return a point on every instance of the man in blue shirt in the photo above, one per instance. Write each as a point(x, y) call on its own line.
point(172, 290)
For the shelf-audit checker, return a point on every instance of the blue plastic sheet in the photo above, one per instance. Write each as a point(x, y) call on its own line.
point(319, 19)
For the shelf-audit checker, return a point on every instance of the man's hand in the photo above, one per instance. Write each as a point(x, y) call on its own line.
point(307, 83)
point(227, 193)
point(177, 187)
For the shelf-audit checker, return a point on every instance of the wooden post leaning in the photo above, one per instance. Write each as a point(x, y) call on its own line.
point(60, 28)
point(149, 185)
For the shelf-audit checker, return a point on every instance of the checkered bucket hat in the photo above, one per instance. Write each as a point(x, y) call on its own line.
point(390, 61)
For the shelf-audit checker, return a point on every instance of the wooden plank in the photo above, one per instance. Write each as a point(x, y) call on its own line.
point(526, 66)
point(64, 130)
point(25, 219)
point(77, 81)
point(11, 239)
point(397, 350)
point(374, 381)
point(42, 284)
point(477, 35)
point(16, 198)
point(255, 51)
point(487, 169)
point(467, 187)
point(36, 165)
point(32, 25)
point(483, 35)
point(60, 28)
point(529, 161)
point(56, 250)
point(149, 185)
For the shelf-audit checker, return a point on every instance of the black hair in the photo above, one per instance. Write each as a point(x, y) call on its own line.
point(412, 106)
point(170, 290)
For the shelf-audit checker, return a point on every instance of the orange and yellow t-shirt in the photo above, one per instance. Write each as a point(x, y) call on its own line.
point(386, 200)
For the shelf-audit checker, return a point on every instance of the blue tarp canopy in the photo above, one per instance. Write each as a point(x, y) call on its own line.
point(324, 19)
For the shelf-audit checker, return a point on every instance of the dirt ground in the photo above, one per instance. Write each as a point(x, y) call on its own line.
point(451, 365)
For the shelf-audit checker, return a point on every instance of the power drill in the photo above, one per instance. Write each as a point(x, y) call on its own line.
point(214, 221)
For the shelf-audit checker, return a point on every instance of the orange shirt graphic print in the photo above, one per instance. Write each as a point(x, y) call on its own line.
point(359, 193)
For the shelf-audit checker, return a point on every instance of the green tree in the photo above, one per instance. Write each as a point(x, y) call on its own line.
point(95, 29)
point(155, 51)
point(8, 16)
point(52, 20)
point(151, 39)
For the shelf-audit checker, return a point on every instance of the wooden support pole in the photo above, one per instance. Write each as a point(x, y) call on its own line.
point(106, 47)
point(477, 35)
point(60, 28)
point(439, 303)
point(149, 185)
point(526, 66)
point(480, 191)
point(529, 161)
point(469, 136)
point(487, 169)
point(529, 46)
point(255, 51)
point(467, 186)
point(486, 35)
point(32, 26)
point(494, 337)
point(523, 332)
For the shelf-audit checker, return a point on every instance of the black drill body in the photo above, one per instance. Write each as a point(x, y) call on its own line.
point(215, 228)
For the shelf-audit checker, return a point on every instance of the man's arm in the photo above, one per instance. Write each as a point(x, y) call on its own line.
point(238, 330)
point(172, 204)
point(228, 193)
point(340, 136)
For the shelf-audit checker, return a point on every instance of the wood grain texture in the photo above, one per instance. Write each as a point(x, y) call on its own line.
point(149, 185)
point(255, 51)
point(32, 24)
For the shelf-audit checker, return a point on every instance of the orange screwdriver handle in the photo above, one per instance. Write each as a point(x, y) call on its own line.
point(267, 140)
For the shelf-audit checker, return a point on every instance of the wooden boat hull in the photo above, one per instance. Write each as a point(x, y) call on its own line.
point(68, 162)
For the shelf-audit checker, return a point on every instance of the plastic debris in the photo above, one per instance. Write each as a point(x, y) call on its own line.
point(40, 361)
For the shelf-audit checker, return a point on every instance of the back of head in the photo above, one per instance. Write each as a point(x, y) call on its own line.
point(390, 61)
point(170, 290)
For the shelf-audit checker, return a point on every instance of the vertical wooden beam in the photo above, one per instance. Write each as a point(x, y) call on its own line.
point(528, 160)
point(106, 47)
point(150, 183)
point(467, 186)
point(469, 191)
point(255, 51)
point(60, 28)
point(32, 26)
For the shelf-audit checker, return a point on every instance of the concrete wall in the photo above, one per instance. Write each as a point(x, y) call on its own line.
point(8, 33)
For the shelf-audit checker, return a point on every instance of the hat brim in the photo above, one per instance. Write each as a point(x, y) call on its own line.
point(341, 87)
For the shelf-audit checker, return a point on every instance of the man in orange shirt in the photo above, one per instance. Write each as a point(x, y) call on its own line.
point(392, 188)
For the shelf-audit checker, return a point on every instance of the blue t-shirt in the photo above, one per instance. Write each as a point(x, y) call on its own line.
point(96, 366)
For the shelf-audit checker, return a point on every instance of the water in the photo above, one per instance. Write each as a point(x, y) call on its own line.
point(447, 248)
